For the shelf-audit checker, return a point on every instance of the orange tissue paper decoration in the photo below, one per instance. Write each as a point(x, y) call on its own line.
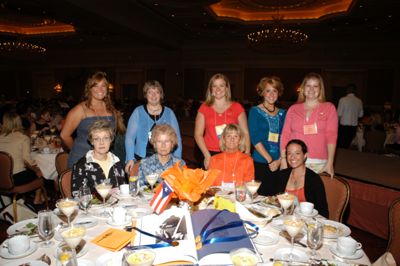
point(189, 184)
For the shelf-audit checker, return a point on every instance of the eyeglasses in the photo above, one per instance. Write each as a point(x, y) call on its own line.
point(163, 142)
point(105, 139)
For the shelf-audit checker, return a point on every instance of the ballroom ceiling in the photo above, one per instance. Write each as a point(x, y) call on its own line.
point(172, 24)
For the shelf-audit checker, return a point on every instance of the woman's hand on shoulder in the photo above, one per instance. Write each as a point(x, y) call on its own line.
point(274, 165)
point(128, 166)
point(328, 168)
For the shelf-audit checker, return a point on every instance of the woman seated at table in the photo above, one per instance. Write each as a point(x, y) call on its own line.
point(235, 166)
point(18, 145)
point(164, 139)
point(300, 180)
point(99, 163)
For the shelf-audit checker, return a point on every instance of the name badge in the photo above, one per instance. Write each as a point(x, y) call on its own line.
point(219, 129)
point(310, 129)
point(273, 137)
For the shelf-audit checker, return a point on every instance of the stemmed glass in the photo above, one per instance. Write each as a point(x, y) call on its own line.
point(66, 256)
point(152, 179)
point(46, 227)
point(315, 235)
point(67, 206)
point(252, 187)
point(293, 226)
point(85, 197)
point(104, 189)
point(285, 200)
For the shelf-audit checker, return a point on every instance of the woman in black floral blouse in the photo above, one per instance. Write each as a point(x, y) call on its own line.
point(99, 163)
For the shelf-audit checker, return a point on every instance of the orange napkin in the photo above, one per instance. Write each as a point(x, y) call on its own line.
point(113, 239)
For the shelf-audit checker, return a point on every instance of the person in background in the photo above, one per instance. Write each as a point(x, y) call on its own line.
point(143, 119)
point(97, 105)
point(119, 142)
point(164, 139)
point(234, 165)
point(214, 114)
point(18, 145)
point(265, 126)
point(350, 110)
point(43, 123)
point(98, 163)
point(314, 121)
point(299, 180)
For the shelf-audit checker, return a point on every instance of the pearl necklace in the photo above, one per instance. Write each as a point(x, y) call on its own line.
point(273, 110)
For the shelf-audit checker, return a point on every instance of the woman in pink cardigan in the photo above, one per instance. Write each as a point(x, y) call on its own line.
point(314, 121)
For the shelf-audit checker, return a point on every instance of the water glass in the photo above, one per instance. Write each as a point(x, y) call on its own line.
point(66, 256)
point(134, 187)
point(46, 227)
point(85, 198)
point(240, 192)
point(315, 235)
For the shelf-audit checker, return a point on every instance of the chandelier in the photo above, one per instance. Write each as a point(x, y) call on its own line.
point(20, 46)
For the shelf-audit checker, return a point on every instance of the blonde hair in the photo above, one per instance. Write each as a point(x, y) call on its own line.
point(209, 97)
point(153, 84)
point(274, 81)
point(312, 75)
point(92, 81)
point(100, 125)
point(232, 128)
point(161, 129)
point(11, 123)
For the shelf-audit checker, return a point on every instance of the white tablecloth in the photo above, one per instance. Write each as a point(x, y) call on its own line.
point(46, 163)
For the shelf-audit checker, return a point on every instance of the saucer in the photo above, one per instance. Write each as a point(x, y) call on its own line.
point(126, 222)
point(313, 213)
point(7, 255)
point(266, 239)
point(83, 262)
point(277, 224)
point(359, 253)
point(122, 196)
point(284, 254)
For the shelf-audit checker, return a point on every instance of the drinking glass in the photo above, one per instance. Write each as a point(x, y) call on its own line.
point(293, 226)
point(67, 206)
point(315, 235)
point(134, 186)
point(85, 197)
point(252, 187)
point(285, 200)
point(66, 256)
point(152, 179)
point(46, 227)
point(104, 189)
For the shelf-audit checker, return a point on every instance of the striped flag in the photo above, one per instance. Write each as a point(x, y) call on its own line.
point(161, 198)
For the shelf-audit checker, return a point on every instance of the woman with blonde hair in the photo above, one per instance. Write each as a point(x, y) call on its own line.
point(314, 121)
point(235, 166)
point(96, 105)
point(214, 114)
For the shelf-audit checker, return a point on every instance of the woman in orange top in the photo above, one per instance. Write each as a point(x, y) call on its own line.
point(235, 166)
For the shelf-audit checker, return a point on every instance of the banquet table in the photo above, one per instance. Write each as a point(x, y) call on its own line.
point(94, 252)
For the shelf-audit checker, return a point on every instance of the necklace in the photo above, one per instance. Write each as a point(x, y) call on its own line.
point(234, 166)
point(271, 111)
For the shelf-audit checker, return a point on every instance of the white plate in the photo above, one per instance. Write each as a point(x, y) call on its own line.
point(20, 226)
point(277, 224)
point(118, 195)
point(139, 212)
point(313, 214)
point(298, 255)
point(83, 262)
point(87, 222)
point(266, 238)
point(342, 230)
point(109, 201)
point(7, 255)
point(128, 220)
point(359, 253)
point(110, 258)
point(30, 262)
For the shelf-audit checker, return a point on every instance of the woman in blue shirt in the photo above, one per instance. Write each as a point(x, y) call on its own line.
point(265, 126)
point(142, 121)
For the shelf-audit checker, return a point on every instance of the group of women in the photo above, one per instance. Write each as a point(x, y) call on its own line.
point(298, 140)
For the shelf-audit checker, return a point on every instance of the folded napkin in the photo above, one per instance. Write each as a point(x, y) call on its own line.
point(246, 215)
point(222, 203)
point(114, 239)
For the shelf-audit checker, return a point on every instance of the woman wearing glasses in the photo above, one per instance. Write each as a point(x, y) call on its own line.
point(99, 163)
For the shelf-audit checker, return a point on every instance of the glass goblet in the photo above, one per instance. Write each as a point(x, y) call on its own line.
point(285, 200)
point(152, 179)
point(252, 187)
point(104, 189)
point(68, 207)
point(315, 235)
point(46, 227)
point(66, 256)
point(293, 226)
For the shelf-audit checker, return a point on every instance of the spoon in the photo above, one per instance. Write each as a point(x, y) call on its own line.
point(45, 259)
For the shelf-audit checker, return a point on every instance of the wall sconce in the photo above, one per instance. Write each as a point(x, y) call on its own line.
point(110, 88)
point(58, 88)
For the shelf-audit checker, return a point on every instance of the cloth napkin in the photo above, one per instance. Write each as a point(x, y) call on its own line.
point(114, 239)
point(222, 203)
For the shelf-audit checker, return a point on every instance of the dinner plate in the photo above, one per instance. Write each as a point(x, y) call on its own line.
point(313, 213)
point(358, 254)
point(127, 221)
point(7, 255)
point(118, 195)
point(266, 238)
point(333, 229)
point(277, 224)
point(29, 262)
point(99, 205)
point(139, 212)
point(110, 258)
point(87, 222)
point(20, 227)
point(284, 254)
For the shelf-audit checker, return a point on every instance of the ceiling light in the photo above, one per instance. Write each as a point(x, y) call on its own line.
point(20, 46)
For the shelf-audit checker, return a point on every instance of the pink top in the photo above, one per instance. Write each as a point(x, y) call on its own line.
point(215, 122)
point(319, 131)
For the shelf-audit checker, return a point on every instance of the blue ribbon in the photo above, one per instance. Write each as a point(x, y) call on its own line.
point(168, 242)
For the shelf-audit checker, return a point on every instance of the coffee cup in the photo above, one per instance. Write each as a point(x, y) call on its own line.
point(19, 244)
point(118, 215)
point(124, 189)
point(306, 208)
point(46, 150)
point(347, 246)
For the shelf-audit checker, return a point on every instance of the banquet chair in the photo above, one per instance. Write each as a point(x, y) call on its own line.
point(61, 162)
point(64, 183)
point(7, 186)
point(337, 195)
point(394, 230)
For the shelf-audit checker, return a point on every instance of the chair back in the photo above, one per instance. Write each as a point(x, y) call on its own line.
point(6, 171)
point(337, 195)
point(61, 162)
point(64, 183)
point(394, 230)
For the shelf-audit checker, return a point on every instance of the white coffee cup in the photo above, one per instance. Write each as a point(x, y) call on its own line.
point(19, 244)
point(306, 208)
point(347, 246)
point(46, 150)
point(118, 215)
point(124, 189)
